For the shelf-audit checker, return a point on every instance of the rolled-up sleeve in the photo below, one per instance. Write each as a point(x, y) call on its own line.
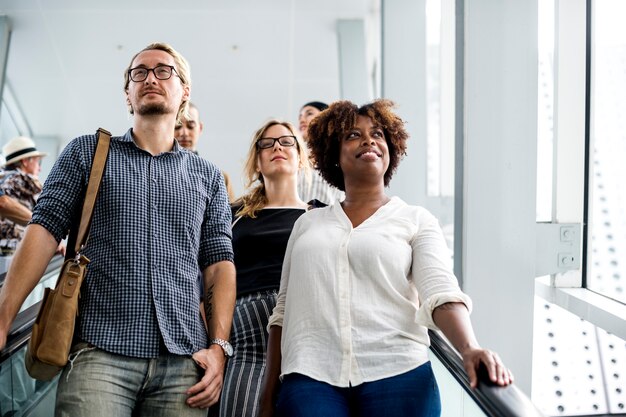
point(216, 239)
point(432, 271)
point(60, 199)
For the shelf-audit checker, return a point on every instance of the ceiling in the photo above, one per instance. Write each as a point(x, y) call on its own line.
point(250, 60)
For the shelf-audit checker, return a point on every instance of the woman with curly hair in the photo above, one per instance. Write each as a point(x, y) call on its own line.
point(263, 219)
point(362, 281)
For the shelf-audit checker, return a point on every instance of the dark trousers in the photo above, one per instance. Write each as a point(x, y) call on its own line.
point(244, 371)
point(412, 394)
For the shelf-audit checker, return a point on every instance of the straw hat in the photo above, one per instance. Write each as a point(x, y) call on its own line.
point(20, 148)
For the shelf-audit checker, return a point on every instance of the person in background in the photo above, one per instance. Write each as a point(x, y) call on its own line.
point(162, 213)
point(310, 184)
point(187, 133)
point(20, 181)
point(263, 219)
point(13, 210)
point(362, 281)
point(23, 186)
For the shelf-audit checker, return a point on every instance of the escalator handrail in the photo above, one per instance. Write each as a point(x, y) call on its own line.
point(21, 328)
point(55, 264)
point(20, 331)
point(493, 400)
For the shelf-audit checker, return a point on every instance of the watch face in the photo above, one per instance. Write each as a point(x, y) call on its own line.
point(228, 348)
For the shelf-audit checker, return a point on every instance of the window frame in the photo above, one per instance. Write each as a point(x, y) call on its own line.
point(571, 171)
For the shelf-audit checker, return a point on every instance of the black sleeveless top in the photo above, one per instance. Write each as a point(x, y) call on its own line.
point(259, 245)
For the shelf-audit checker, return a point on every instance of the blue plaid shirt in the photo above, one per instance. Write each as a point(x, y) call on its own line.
point(156, 221)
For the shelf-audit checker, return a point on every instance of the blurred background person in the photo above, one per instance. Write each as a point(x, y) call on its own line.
point(263, 219)
point(187, 134)
point(13, 210)
point(311, 185)
point(19, 181)
point(23, 386)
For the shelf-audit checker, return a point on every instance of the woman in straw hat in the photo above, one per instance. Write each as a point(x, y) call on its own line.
point(20, 181)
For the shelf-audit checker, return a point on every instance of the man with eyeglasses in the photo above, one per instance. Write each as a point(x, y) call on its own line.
point(141, 348)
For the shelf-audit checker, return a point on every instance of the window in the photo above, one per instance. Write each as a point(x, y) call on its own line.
point(8, 128)
point(440, 32)
point(545, 110)
point(606, 242)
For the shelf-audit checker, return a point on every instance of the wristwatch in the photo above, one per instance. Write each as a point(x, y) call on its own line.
point(226, 347)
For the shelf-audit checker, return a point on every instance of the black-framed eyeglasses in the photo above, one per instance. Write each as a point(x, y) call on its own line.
point(161, 72)
point(265, 143)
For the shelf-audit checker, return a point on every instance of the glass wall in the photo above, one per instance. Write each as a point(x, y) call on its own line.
point(579, 368)
point(12, 120)
point(8, 128)
point(545, 110)
point(440, 32)
point(606, 264)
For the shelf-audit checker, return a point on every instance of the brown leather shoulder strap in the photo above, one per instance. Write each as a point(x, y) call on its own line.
point(95, 178)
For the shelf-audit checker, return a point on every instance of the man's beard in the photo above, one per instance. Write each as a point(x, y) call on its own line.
point(152, 109)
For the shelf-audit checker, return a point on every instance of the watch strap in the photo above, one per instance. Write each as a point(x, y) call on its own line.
point(224, 344)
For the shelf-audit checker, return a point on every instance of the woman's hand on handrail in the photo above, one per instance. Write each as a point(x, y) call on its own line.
point(498, 374)
point(454, 321)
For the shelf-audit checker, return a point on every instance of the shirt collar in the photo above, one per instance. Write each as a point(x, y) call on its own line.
point(128, 137)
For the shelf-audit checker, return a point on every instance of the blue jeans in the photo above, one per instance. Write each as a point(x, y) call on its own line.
point(97, 383)
point(414, 393)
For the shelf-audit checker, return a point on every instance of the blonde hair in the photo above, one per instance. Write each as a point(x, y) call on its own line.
point(182, 69)
point(256, 199)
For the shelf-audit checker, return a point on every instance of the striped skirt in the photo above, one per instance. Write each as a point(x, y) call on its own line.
point(244, 371)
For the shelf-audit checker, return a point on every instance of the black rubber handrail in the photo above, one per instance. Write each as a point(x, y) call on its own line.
point(20, 330)
point(493, 400)
point(55, 264)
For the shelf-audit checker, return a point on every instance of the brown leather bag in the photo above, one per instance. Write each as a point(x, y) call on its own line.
point(53, 331)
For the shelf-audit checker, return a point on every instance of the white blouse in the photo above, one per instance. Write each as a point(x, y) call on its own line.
point(355, 303)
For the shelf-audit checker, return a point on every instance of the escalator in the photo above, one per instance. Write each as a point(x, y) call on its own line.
point(20, 395)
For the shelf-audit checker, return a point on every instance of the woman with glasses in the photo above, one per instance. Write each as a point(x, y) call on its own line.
point(262, 222)
point(361, 283)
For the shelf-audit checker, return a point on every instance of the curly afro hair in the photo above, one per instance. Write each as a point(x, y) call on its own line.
point(333, 124)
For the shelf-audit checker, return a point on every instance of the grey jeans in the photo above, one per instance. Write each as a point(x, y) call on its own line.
point(100, 384)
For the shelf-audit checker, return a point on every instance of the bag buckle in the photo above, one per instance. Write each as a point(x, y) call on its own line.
point(79, 258)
